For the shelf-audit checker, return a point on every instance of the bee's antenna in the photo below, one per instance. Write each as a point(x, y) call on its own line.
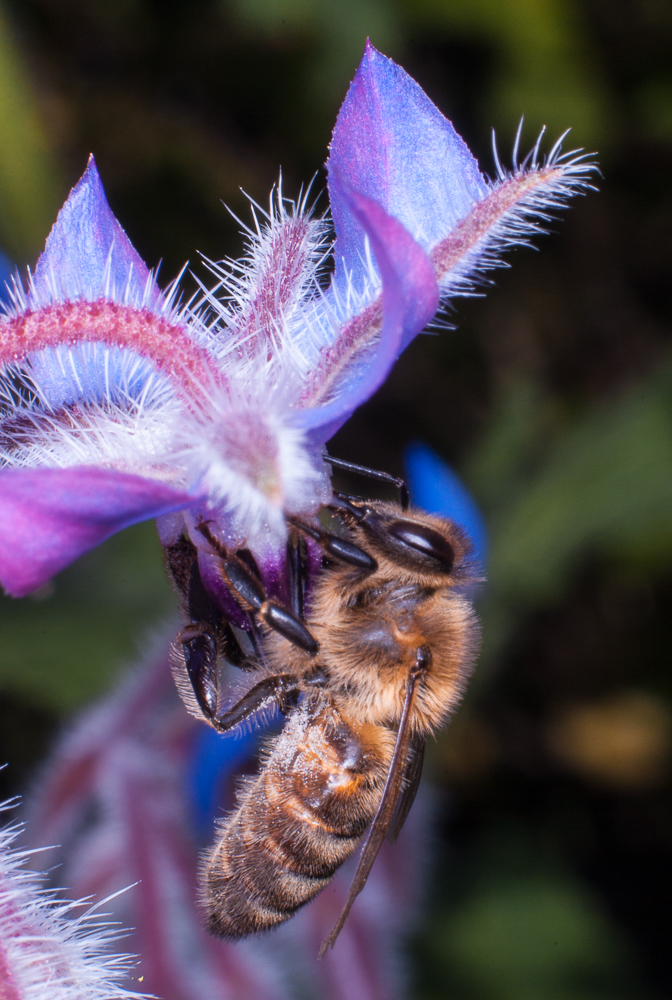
point(363, 470)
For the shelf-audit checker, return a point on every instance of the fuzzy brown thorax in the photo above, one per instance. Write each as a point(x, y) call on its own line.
point(370, 626)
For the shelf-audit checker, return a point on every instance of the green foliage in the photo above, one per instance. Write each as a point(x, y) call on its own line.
point(29, 178)
point(545, 69)
point(544, 65)
point(526, 935)
point(599, 485)
point(337, 33)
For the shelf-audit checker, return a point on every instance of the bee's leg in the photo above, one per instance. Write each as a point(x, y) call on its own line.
point(280, 690)
point(243, 580)
point(339, 463)
point(206, 629)
point(200, 660)
point(207, 635)
point(255, 638)
point(334, 545)
point(345, 505)
point(297, 560)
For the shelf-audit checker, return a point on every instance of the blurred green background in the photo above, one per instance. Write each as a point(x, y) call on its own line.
point(552, 868)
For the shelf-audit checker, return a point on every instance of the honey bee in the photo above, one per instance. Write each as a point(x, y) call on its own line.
point(376, 661)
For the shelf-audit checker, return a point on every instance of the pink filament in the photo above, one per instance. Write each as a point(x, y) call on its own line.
point(164, 343)
point(357, 334)
point(485, 215)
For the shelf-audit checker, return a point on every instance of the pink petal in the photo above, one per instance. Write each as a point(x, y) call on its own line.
point(50, 517)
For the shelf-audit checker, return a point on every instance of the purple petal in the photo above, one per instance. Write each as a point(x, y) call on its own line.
point(210, 569)
point(50, 517)
point(392, 144)
point(410, 299)
point(87, 251)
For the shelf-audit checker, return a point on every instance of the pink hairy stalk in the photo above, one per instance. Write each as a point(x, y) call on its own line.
point(279, 279)
point(359, 333)
point(485, 215)
point(164, 343)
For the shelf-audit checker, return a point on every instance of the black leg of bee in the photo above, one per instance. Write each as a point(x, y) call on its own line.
point(255, 638)
point(287, 625)
point(280, 690)
point(246, 585)
point(207, 633)
point(232, 649)
point(200, 657)
point(356, 507)
point(337, 547)
point(200, 606)
point(297, 560)
point(199, 640)
point(339, 463)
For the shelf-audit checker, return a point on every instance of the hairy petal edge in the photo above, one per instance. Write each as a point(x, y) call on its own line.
point(409, 301)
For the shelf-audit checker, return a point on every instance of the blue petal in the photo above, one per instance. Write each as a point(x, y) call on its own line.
point(392, 144)
point(7, 269)
point(435, 488)
point(213, 758)
point(410, 299)
point(88, 255)
point(87, 251)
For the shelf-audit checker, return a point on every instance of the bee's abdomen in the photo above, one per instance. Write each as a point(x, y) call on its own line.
point(295, 824)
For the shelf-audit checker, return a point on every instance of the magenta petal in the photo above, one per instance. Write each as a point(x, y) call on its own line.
point(410, 300)
point(87, 251)
point(50, 517)
point(210, 569)
point(392, 144)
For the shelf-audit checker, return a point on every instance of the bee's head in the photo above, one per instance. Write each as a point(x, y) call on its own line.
point(431, 548)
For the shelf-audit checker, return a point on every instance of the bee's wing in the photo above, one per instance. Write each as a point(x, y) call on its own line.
point(410, 785)
point(386, 810)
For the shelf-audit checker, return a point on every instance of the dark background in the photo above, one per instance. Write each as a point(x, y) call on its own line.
point(553, 399)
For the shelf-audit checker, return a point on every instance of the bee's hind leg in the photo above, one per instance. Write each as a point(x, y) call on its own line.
point(280, 691)
point(207, 634)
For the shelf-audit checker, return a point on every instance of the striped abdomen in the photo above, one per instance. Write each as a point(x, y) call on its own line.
point(296, 822)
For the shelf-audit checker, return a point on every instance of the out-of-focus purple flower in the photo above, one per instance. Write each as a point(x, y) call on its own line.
point(119, 405)
point(52, 948)
point(118, 796)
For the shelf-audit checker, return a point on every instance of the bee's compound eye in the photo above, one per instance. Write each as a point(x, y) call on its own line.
point(425, 540)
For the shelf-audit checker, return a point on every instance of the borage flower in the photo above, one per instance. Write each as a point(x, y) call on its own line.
point(51, 948)
point(119, 405)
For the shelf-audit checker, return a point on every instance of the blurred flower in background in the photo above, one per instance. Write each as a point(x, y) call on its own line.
point(552, 401)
